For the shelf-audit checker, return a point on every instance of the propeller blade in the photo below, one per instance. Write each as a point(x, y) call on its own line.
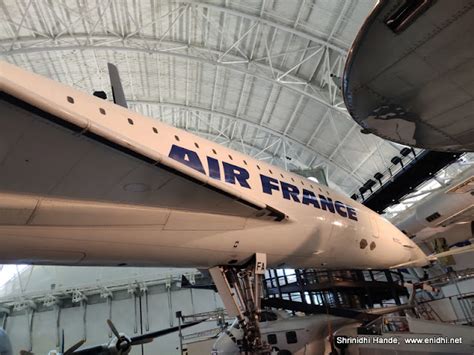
point(93, 350)
point(113, 329)
point(143, 341)
point(140, 339)
point(146, 338)
point(73, 348)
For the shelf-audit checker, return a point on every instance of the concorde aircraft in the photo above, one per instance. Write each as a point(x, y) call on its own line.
point(87, 182)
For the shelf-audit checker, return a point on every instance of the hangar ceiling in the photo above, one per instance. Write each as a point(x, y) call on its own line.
point(260, 76)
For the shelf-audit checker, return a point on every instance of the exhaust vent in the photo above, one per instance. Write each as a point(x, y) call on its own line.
point(433, 217)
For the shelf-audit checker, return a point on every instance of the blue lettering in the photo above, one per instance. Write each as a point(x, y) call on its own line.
point(269, 184)
point(351, 212)
point(290, 190)
point(326, 203)
point(214, 171)
point(310, 198)
point(340, 208)
point(233, 173)
point(186, 157)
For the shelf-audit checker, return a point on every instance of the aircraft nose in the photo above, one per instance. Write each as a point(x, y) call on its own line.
point(416, 254)
point(421, 256)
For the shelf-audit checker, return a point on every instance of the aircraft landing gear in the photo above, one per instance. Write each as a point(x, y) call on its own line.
point(240, 288)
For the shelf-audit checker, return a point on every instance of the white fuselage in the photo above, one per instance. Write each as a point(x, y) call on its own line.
point(320, 228)
point(299, 335)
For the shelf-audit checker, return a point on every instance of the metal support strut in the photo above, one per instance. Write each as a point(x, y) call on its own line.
point(240, 288)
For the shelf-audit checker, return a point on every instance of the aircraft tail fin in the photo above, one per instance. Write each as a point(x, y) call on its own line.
point(116, 84)
point(317, 173)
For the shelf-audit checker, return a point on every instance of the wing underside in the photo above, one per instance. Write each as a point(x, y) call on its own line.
point(43, 155)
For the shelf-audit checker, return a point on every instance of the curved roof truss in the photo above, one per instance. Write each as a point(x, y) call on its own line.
point(262, 75)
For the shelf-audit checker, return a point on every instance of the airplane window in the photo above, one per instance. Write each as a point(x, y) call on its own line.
point(245, 162)
point(196, 145)
point(130, 121)
point(230, 157)
point(177, 138)
point(155, 130)
point(282, 176)
point(214, 151)
point(258, 167)
point(302, 183)
point(102, 111)
point(311, 186)
point(291, 337)
point(272, 339)
point(271, 172)
point(70, 99)
point(292, 179)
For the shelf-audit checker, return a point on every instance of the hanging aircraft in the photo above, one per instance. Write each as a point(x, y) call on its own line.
point(408, 76)
point(87, 182)
point(448, 211)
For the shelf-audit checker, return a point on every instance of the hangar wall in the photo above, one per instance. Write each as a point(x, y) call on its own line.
point(139, 305)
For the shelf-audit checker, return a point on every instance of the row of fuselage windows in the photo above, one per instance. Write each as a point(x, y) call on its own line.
point(155, 130)
point(291, 338)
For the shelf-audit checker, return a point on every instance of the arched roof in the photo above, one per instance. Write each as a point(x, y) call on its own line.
point(260, 76)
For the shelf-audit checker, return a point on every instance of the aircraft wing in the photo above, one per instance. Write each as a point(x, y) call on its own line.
point(465, 187)
point(55, 150)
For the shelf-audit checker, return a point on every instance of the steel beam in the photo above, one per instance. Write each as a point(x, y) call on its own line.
point(127, 47)
point(270, 23)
